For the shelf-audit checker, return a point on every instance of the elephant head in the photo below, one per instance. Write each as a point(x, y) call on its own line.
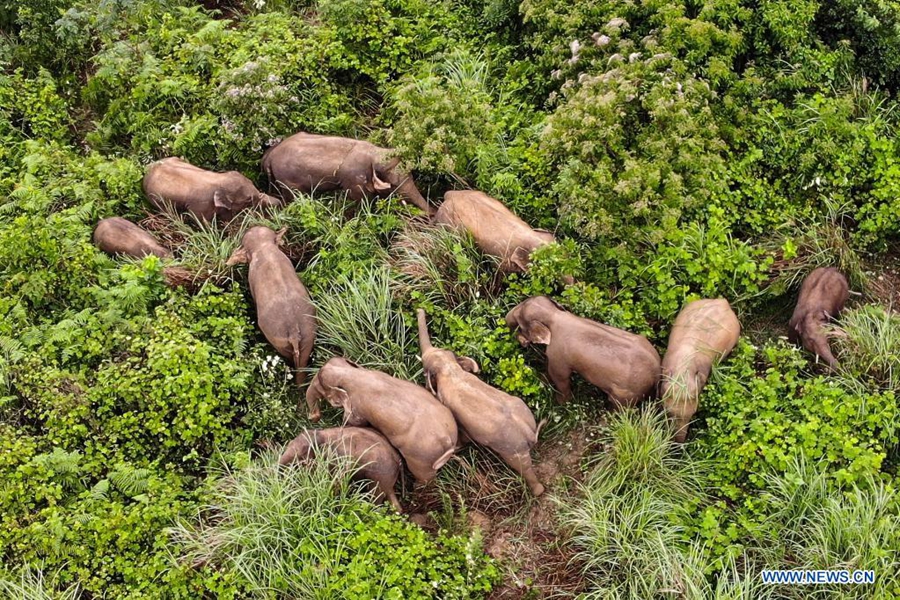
point(322, 387)
point(437, 360)
point(531, 320)
point(255, 238)
point(301, 448)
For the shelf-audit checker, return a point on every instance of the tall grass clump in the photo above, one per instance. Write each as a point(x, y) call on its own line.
point(33, 584)
point(815, 525)
point(442, 265)
point(357, 316)
point(300, 531)
point(868, 344)
point(626, 523)
point(810, 244)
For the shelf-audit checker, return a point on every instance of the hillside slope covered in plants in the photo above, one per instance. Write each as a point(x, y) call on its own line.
point(678, 149)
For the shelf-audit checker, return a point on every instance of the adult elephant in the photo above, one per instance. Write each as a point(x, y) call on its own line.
point(307, 162)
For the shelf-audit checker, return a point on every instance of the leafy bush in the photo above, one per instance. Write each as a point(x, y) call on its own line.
point(762, 411)
point(299, 531)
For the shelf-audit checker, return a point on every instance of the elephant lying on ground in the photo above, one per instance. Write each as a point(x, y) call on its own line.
point(822, 297)
point(417, 425)
point(284, 310)
point(307, 162)
point(375, 458)
point(116, 235)
point(486, 415)
point(704, 332)
point(624, 365)
point(495, 228)
point(205, 194)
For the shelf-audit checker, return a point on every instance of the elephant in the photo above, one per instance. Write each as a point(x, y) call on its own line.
point(284, 311)
point(413, 420)
point(204, 194)
point(495, 228)
point(116, 235)
point(375, 459)
point(822, 297)
point(308, 162)
point(624, 365)
point(704, 332)
point(484, 414)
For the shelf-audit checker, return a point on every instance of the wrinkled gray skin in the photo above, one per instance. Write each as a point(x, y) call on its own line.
point(375, 458)
point(822, 297)
point(284, 310)
point(704, 333)
point(307, 162)
point(495, 228)
point(624, 365)
point(203, 193)
point(116, 235)
point(484, 414)
point(413, 420)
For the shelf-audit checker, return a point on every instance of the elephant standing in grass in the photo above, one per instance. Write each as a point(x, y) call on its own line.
point(822, 297)
point(205, 194)
point(486, 415)
point(375, 459)
point(704, 332)
point(307, 162)
point(116, 235)
point(414, 421)
point(624, 365)
point(495, 228)
point(284, 310)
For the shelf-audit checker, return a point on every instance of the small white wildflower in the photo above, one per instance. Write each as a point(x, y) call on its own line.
point(634, 56)
point(555, 74)
point(617, 23)
point(259, 4)
point(601, 40)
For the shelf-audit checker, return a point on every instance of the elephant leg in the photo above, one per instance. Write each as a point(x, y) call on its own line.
point(561, 378)
point(521, 464)
point(386, 492)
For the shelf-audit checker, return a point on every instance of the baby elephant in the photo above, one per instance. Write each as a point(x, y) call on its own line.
point(496, 230)
point(822, 297)
point(205, 194)
point(309, 162)
point(116, 235)
point(704, 332)
point(284, 310)
point(375, 459)
point(485, 414)
point(417, 425)
point(622, 364)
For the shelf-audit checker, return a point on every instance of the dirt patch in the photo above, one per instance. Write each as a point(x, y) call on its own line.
point(520, 531)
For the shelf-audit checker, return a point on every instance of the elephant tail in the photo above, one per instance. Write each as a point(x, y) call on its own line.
point(540, 426)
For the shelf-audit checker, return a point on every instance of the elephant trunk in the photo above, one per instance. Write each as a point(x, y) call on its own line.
point(408, 191)
point(424, 338)
point(313, 394)
point(267, 201)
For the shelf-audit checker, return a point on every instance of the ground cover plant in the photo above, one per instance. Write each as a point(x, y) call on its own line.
point(677, 149)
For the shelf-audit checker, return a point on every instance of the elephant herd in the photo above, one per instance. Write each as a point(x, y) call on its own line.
point(388, 421)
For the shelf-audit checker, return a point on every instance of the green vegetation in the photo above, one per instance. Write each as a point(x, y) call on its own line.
point(678, 149)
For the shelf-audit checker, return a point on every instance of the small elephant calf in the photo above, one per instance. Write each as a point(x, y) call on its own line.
point(624, 365)
point(116, 235)
point(486, 415)
point(375, 459)
point(284, 311)
point(822, 297)
point(413, 420)
point(704, 332)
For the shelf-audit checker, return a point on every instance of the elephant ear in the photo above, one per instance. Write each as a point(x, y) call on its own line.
point(339, 397)
point(467, 364)
point(221, 200)
point(239, 256)
point(538, 333)
point(279, 236)
point(520, 258)
point(429, 382)
point(378, 184)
